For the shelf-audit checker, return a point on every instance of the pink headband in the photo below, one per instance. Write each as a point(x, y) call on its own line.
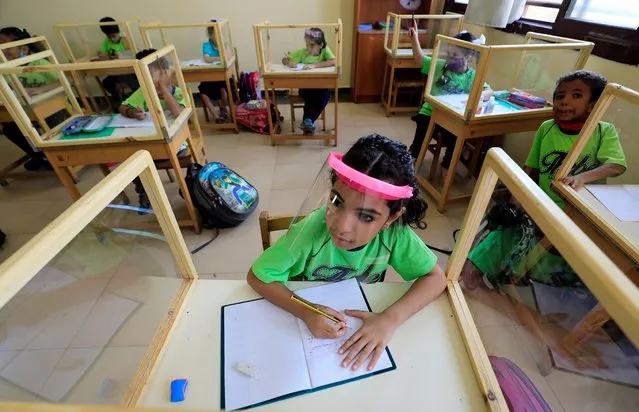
point(366, 184)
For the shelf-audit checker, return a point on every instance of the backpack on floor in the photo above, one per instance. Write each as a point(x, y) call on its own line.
point(253, 115)
point(223, 197)
point(520, 392)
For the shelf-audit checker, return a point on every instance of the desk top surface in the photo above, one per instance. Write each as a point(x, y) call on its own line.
point(625, 234)
point(279, 69)
point(433, 367)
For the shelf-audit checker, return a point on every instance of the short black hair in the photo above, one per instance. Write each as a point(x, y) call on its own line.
point(596, 81)
point(109, 28)
point(389, 160)
point(17, 34)
point(162, 63)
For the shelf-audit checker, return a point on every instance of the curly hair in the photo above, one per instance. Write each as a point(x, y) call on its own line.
point(596, 81)
point(389, 160)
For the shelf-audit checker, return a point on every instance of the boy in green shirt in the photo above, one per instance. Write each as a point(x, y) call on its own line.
point(315, 55)
point(171, 99)
point(452, 76)
point(112, 46)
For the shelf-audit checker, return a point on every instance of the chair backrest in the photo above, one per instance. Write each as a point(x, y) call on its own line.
point(270, 224)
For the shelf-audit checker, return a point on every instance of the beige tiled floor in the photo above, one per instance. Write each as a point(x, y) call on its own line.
point(283, 175)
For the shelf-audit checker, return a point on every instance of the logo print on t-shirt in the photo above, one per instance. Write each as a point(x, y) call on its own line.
point(552, 160)
point(338, 273)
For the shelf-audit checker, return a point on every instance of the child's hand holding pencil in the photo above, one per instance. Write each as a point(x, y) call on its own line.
point(322, 321)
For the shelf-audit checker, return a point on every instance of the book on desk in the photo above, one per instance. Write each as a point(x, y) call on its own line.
point(286, 359)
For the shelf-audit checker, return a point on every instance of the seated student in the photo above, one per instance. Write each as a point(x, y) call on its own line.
point(121, 85)
point(212, 91)
point(499, 259)
point(34, 83)
point(171, 98)
point(315, 55)
point(362, 229)
point(452, 76)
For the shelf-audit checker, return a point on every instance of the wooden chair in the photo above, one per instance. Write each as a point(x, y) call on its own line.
point(297, 102)
point(270, 224)
point(416, 85)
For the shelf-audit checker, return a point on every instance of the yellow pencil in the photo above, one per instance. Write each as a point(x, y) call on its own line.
point(308, 305)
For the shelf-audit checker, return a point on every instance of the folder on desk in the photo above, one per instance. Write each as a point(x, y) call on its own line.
point(288, 361)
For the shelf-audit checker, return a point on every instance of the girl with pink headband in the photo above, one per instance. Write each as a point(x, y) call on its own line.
point(363, 227)
point(315, 55)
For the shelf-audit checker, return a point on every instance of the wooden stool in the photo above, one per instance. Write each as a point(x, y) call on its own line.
point(297, 102)
point(399, 84)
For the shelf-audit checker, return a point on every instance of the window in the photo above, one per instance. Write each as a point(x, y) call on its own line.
point(620, 13)
point(613, 25)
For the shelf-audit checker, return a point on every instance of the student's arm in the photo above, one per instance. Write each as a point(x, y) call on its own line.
point(210, 59)
point(131, 112)
point(327, 63)
point(165, 94)
point(292, 59)
point(418, 53)
point(32, 91)
point(209, 54)
point(280, 295)
point(601, 172)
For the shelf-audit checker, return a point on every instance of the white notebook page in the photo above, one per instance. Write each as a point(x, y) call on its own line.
point(324, 363)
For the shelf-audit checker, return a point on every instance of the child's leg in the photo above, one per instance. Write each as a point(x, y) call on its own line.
point(110, 84)
point(420, 134)
point(209, 93)
point(315, 100)
point(224, 98)
point(448, 144)
point(37, 161)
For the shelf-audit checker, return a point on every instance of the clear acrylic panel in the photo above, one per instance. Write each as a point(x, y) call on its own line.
point(10, 51)
point(454, 76)
point(84, 42)
point(60, 105)
point(277, 43)
point(428, 29)
point(533, 310)
point(227, 42)
point(79, 331)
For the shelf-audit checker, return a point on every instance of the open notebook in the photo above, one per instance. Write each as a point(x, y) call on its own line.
point(287, 359)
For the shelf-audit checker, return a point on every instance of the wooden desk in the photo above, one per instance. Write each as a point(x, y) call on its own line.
point(402, 60)
point(215, 73)
point(619, 240)
point(433, 369)
point(479, 127)
point(282, 77)
point(78, 152)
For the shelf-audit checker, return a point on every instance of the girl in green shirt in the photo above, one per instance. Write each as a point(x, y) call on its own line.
point(315, 55)
point(358, 233)
point(33, 83)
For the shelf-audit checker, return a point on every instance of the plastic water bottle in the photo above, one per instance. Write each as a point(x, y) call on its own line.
point(490, 105)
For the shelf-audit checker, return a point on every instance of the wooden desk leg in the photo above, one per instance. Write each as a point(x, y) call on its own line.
point(231, 103)
point(450, 176)
point(433, 166)
point(422, 153)
point(586, 327)
point(67, 180)
point(475, 159)
point(384, 84)
point(78, 80)
point(336, 101)
point(175, 163)
point(390, 84)
point(271, 126)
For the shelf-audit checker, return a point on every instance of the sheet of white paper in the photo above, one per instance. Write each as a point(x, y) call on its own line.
point(261, 334)
point(122, 121)
point(198, 62)
point(324, 363)
point(297, 68)
point(621, 200)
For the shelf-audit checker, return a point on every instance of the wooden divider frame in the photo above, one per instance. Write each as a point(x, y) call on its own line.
point(139, 67)
point(125, 26)
point(396, 19)
point(25, 264)
point(486, 53)
point(226, 56)
point(264, 57)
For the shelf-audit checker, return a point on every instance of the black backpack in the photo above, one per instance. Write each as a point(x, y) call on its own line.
point(223, 198)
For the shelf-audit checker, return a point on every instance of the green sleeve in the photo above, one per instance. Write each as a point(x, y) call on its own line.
point(426, 64)
point(47, 77)
point(535, 150)
point(178, 95)
point(104, 48)
point(327, 54)
point(136, 100)
point(610, 151)
point(410, 257)
point(286, 257)
point(297, 56)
